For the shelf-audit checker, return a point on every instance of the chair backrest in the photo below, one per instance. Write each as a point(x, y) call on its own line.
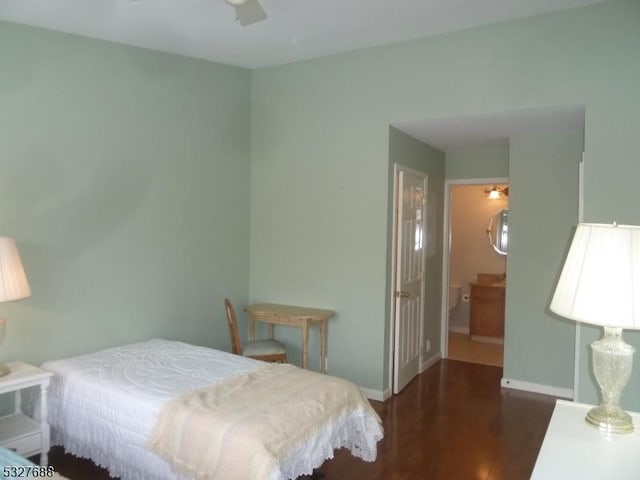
point(236, 346)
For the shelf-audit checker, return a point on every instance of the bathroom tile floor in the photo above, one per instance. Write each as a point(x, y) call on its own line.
point(462, 348)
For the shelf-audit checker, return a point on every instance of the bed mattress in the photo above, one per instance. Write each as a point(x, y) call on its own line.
point(103, 405)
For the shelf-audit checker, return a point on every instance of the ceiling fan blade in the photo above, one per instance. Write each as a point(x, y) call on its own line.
point(250, 12)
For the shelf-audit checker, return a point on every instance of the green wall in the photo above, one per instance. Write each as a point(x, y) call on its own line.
point(124, 179)
point(406, 151)
point(478, 162)
point(543, 207)
point(320, 160)
point(317, 194)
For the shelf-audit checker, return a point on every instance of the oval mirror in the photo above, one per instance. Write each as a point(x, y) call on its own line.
point(499, 231)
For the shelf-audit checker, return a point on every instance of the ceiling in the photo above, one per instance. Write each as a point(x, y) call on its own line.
point(294, 30)
point(492, 129)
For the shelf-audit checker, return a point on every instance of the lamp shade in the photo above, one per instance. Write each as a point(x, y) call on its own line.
point(600, 279)
point(13, 281)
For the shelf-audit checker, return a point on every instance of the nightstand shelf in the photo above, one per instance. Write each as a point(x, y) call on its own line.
point(20, 433)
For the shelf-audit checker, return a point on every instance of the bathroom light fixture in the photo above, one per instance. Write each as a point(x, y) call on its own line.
point(496, 192)
point(600, 285)
point(13, 283)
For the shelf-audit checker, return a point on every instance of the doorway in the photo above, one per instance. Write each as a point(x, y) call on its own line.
point(479, 147)
point(474, 264)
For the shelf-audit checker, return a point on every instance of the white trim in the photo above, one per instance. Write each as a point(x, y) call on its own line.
point(377, 395)
point(385, 394)
point(446, 243)
point(464, 330)
point(392, 303)
point(430, 362)
point(537, 388)
point(581, 189)
point(576, 361)
point(577, 344)
point(492, 340)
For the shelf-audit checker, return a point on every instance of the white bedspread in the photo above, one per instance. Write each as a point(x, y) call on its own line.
point(104, 405)
point(274, 423)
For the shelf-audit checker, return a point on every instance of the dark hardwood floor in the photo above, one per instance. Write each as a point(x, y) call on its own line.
point(453, 422)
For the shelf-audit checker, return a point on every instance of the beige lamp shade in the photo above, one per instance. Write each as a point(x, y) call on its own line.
point(13, 281)
point(600, 280)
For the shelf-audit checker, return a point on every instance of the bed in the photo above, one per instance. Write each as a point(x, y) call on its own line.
point(115, 405)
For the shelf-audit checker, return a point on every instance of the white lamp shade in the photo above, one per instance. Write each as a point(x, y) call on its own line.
point(13, 281)
point(600, 280)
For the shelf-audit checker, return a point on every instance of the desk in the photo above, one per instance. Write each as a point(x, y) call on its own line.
point(574, 449)
point(300, 317)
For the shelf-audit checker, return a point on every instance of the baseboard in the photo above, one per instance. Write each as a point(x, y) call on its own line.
point(377, 395)
point(537, 388)
point(464, 330)
point(383, 395)
point(492, 340)
point(430, 361)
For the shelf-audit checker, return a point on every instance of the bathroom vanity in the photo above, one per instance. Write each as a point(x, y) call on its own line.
point(486, 320)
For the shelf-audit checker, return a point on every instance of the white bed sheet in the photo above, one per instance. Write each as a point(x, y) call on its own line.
point(131, 384)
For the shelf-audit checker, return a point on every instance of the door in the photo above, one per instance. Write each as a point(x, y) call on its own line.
point(411, 190)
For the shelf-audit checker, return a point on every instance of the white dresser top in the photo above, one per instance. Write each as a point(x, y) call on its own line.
point(574, 450)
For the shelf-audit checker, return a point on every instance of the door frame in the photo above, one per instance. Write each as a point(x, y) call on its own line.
point(397, 167)
point(446, 253)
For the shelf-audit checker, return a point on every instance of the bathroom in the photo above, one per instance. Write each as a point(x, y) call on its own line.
point(478, 222)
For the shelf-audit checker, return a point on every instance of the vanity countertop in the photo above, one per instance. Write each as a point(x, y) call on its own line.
point(490, 284)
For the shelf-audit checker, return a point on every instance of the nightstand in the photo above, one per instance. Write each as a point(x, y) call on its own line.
point(25, 435)
point(574, 449)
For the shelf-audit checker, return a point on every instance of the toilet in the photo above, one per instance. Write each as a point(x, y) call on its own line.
point(455, 293)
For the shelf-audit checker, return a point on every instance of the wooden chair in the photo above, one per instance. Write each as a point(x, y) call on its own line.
point(265, 350)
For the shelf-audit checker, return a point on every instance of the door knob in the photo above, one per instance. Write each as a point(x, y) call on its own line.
point(402, 294)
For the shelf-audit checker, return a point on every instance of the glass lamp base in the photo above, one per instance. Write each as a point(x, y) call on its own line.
point(4, 370)
point(610, 420)
point(612, 361)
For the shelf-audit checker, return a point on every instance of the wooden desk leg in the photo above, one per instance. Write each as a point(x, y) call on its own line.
point(323, 346)
point(252, 328)
point(305, 343)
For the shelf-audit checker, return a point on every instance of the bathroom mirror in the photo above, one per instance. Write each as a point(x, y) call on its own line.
point(499, 231)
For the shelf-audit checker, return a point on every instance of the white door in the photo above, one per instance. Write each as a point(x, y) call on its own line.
point(411, 194)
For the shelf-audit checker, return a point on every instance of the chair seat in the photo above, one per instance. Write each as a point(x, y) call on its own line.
point(265, 350)
point(262, 348)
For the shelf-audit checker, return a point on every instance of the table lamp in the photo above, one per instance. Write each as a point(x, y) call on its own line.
point(600, 285)
point(13, 283)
